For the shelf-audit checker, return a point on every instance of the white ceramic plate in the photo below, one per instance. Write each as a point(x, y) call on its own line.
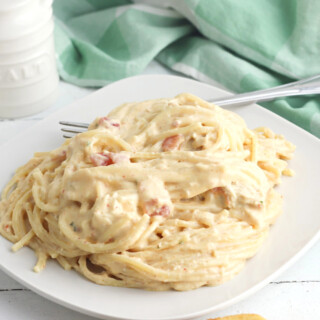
point(294, 232)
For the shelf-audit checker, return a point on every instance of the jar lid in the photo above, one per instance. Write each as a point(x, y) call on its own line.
point(20, 17)
point(8, 5)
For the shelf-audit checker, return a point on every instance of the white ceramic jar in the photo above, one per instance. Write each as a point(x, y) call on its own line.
point(28, 75)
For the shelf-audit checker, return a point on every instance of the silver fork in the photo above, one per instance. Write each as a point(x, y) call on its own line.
point(69, 133)
point(306, 86)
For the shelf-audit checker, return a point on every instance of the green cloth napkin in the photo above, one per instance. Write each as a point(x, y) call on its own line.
point(244, 45)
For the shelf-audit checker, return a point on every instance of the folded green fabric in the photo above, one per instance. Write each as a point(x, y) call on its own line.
point(244, 45)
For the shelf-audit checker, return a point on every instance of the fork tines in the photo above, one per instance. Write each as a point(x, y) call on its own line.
point(71, 128)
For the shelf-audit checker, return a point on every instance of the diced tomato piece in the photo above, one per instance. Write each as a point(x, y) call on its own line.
point(101, 159)
point(163, 211)
point(119, 158)
point(172, 143)
point(107, 122)
point(108, 158)
point(152, 208)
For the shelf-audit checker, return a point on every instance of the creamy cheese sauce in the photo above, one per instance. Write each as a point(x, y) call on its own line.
point(162, 194)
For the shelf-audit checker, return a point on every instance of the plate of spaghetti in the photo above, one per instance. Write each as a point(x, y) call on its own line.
point(167, 204)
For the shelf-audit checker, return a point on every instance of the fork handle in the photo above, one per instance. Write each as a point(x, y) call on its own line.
point(303, 87)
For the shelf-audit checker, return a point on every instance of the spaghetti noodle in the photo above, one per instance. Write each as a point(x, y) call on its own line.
point(162, 194)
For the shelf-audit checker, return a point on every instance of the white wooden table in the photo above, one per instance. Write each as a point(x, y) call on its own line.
point(295, 295)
